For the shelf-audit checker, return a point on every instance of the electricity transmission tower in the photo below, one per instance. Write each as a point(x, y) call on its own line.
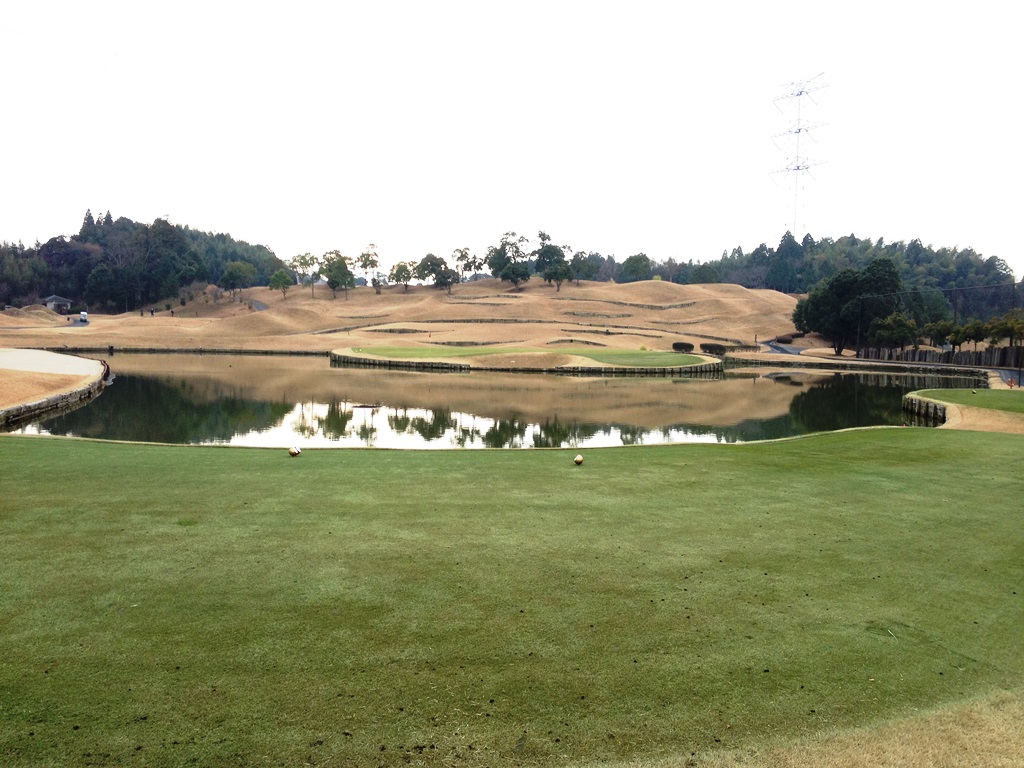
point(797, 164)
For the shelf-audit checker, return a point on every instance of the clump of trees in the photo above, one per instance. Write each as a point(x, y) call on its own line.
point(797, 266)
point(338, 272)
point(899, 329)
point(839, 307)
point(436, 269)
point(308, 269)
point(121, 265)
point(873, 307)
point(508, 260)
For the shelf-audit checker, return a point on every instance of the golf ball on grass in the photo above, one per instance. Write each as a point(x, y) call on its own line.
point(294, 451)
point(578, 459)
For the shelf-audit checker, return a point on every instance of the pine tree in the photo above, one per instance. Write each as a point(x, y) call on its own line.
point(88, 224)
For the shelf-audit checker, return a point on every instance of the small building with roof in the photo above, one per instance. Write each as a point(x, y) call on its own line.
point(58, 304)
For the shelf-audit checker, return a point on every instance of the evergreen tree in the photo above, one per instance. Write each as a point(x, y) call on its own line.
point(843, 307)
point(88, 224)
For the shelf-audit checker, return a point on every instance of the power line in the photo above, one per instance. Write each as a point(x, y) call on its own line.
point(941, 290)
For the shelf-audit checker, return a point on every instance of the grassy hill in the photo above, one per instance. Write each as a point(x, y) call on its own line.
point(650, 315)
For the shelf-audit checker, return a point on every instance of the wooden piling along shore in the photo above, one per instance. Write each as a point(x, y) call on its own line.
point(858, 365)
point(54, 404)
point(112, 350)
point(352, 361)
point(993, 357)
point(929, 411)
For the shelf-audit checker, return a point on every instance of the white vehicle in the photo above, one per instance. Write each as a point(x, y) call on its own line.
point(83, 316)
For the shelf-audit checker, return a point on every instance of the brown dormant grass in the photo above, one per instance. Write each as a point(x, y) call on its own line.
point(27, 386)
point(652, 314)
point(986, 733)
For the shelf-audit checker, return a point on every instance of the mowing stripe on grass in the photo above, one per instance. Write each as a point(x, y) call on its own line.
point(164, 605)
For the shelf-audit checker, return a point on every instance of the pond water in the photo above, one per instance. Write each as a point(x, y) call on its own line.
point(304, 401)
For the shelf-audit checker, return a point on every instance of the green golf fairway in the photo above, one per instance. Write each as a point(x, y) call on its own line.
point(211, 606)
point(999, 399)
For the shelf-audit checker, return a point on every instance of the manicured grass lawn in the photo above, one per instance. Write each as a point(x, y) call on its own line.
point(210, 606)
point(416, 353)
point(633, 358)
point(1000, 399)
point(640, 359)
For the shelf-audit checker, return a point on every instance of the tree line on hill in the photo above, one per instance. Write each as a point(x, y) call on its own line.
point(859, 290)
point(120, 265)
point(872, 307)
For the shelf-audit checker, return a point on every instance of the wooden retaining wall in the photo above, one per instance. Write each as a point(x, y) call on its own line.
point(407, 365)
point(854, 365)
point(66, 401)
point(352, 361)
point(111, 350)
point(992, 357)
point(929, 411)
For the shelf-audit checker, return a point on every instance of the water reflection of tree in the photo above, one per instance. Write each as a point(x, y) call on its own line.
point(843, 402)
point(632, 435)
point(399, 422)
point(335, 424)
point(505, 433)
point(305, 425)
point(367, 433)
point(465, 436)
point(434, 426)
point(555, 434)
point(148, 409)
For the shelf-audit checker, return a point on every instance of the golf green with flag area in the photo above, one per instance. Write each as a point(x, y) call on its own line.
point(623, 357)
point(179, 605)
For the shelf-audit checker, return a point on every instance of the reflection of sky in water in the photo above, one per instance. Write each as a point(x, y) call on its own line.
point(214, 406)
point(377, 428)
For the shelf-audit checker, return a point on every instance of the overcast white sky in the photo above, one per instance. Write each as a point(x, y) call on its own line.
point(423, 127)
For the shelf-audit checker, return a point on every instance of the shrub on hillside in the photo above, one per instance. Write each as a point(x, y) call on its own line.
point(713, 349)
point(682, 346)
